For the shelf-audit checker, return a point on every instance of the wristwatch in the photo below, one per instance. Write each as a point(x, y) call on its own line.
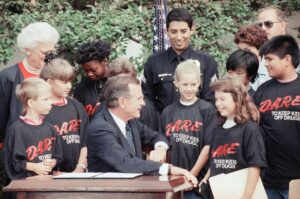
point(81, 165)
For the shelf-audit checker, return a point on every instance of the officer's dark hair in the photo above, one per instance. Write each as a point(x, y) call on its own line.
point(281, 46)
point(243, 59)
point(116, 87)
point(94, 50)
point(180, 14)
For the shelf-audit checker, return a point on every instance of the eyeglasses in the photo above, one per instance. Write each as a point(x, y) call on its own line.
point(267, 24)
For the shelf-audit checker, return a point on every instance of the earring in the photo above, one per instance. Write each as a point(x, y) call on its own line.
point(27, 53)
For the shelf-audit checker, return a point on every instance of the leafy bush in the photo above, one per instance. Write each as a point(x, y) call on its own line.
point(120, 21)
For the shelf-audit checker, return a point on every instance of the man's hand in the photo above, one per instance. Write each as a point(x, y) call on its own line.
point(186, 173)
point(158, 155)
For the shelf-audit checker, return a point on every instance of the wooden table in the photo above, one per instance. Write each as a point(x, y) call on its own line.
point(144, 187)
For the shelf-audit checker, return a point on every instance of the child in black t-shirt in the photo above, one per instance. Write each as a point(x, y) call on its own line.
point(32, 146)
point(237, 141)
point(243, 64)
point(93, 58)
point(189, 122)
point(67, 115)
point(278, 101)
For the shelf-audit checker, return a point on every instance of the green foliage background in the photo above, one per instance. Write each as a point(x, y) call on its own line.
point(119, 21)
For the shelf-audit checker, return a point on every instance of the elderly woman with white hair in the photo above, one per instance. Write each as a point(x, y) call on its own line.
point(36, 41)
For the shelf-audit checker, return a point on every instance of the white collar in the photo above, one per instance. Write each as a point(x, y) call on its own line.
point(229, 123)
point(187, 103)
point(120, 123)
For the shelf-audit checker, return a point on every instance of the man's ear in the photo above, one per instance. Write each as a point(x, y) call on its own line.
point(122, 102)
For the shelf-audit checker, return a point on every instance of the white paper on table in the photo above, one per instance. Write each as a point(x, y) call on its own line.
point(118, 175)
point(76, 175)
point(232, 185)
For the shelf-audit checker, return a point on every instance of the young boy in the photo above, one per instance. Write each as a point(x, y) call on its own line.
point(244, 65)
point(93, 57)
point(278, 102)
point(32, 146)
point(67, 115)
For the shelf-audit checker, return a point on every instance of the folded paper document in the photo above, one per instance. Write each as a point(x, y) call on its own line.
point(232, 186)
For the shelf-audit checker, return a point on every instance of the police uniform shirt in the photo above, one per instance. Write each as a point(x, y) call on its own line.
point(157, 82)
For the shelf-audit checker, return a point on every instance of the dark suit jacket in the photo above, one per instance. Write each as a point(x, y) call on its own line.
point(109, 151)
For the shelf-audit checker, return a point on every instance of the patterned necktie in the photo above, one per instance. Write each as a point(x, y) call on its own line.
point(129, 137)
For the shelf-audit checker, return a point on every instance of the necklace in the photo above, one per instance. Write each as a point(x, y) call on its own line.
point(29, 69)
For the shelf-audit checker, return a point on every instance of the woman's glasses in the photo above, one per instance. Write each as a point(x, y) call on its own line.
point(267, 24)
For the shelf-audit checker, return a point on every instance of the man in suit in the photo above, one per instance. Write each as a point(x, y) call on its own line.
point(115, 137)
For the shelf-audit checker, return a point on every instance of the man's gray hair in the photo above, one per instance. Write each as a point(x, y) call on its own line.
point(117, 87)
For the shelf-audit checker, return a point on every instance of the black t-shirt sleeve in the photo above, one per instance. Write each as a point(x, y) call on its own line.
point(83, 124)
point(210, 74)
point(259, 92)
point(14, 155)
point(210, 122)
point(254, 148)
point(57, 151)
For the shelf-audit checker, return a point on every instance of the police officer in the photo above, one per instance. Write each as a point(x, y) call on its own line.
point(159, 69)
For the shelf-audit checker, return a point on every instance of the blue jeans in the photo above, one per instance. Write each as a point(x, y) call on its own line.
point(277, 193)
point(190, 195)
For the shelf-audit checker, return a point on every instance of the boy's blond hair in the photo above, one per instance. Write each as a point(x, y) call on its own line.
point(31, 88)
point(58, 69)
point(189, 66)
